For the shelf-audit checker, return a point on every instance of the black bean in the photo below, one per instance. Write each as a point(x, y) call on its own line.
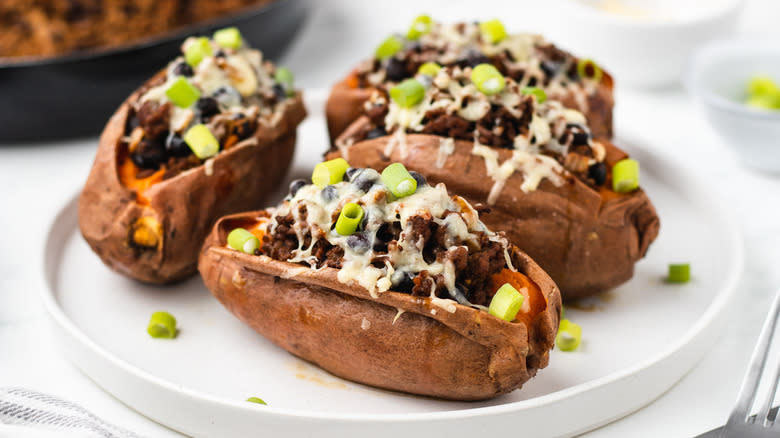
point(296, 185)
point(598, 173)
point(580, 134)
point(419, 178)
point(329, 193)
point(364, 180)
point(403, 281)
point(351, 172)
point(279, 92)
point(176, 147)
point(473, 58)
point(532, 82)
point(227, 96)
point(550, 68)
point(242, 128)
point(207, 106)
point(396, 70)
point(358, 242)
point(459, 294)
point(149, 154)
point(220, 54)
point(183, 69)
point(376, 132)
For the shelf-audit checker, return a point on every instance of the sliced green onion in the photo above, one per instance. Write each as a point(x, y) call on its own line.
point(541, 96)
point(257, 400)
point(625, 176)
point(763, 102)
point(400, 182)
point(569, 335)
point(349, 219)
point(506, 302)
point(763, 86)
point(162, 325)
point(182, 93)
point(488, 79)
point(229, 38)
point(243, 240)
point(197, 50)
point(420, 26)
point(679, 273)
point(408, 93)
point(588, 69)
point(201, 141)
point(389, 47)
point(492, 31)
point(429, 68)
point(285, 78)
point(329, 172)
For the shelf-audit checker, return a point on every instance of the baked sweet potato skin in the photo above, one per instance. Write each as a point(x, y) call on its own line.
point(396, 341)
point(587, 241)
point(345, 105)
point(186, 205)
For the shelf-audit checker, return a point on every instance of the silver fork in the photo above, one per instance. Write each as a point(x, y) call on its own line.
point(741, 424)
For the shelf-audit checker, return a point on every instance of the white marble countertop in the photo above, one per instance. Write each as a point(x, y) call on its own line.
point(38, 178)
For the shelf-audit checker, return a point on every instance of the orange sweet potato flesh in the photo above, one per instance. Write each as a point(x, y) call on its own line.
point(464, 355)
point(587, 240)
point(345, 106)
point(186, 205)
point(534, 301)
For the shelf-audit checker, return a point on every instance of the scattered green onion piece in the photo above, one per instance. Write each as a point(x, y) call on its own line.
point(243, 240)
point(679, 273)
point(420, 26)
point(763, 86)
point(625, 176)
point(400, 182)
point(389, 47)
point(763, 102)
point(541, 96)
point(182, 93)
point(197, 50)
point(285, 78)
point(429, 68)
point(506, 303)
point(349, 219)
point(492, 31)
point(329, 172)
point(588, 69)
point(257, 400)
point(569, 335)
point(201, 141)
point(408, 93)
point(488, 79)
point(162, 325)
point(229, 37)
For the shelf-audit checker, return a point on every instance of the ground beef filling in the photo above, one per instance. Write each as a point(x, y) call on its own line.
point(474, 266)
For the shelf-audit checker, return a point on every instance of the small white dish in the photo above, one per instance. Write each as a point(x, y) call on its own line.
point(717, 78)
point(643, 43)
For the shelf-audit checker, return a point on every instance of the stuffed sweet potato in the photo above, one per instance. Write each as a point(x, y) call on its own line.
point(212, 134)
point(396, 295)
point(528, 59)
point(550, 185)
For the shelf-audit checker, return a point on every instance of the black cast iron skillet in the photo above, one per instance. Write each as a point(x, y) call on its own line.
point(75, 94)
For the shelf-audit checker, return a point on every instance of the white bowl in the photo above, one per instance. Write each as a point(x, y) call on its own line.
point(643, 43)
point(717, 77)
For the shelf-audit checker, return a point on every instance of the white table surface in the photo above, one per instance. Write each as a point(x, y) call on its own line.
point(37, 178)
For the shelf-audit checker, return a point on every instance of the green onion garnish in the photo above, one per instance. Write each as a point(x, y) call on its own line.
point(420, 26)
point(588, 69)
point(197, 50)
point(429, 68)
point(201, 141)
point(492, 31)
point(506, 303)
point(541, 96)
point(679, 273)
point(389, 47)
point(182, 93)
point(162, 325)
point(243, 240)
point(285, 78)
point(329, 172)
point(408, 93)
point(400, 182)
point(488, 79)
point(257, 400)
point(569, 335)
point(229, 38)
point(763, 93)
point(625, 176)
point(349, 219)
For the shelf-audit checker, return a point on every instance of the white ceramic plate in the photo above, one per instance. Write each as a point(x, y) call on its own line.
point(638, 339)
